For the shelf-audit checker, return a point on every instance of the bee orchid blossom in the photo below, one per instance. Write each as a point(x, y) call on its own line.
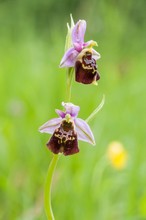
point(82, 56)
point(67, 130)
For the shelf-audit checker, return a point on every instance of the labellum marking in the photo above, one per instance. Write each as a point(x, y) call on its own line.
point(64, 139)
point(88, 62)
point(86, 69)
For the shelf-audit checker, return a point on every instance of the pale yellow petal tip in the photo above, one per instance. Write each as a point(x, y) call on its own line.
point(95, 83)
point(117, 155)
point(94, 44)
point(94, 143)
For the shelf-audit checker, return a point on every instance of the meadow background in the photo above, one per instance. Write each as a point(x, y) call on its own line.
point(86, 186)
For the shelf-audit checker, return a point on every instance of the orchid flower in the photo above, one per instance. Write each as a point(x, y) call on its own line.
point(66, 130)
point(82, 56)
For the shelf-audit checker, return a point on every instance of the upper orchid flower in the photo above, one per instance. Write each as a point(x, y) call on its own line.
point(78, 45)
point(78, 53)
point(67, 130)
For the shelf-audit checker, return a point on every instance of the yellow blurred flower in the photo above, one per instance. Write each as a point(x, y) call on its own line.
point(117, 155)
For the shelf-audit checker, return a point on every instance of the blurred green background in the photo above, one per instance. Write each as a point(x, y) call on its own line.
point(86, 186)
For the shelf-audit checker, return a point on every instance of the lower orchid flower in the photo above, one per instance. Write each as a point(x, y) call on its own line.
point(67, 130)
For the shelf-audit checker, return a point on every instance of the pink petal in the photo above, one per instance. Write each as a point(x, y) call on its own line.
point(71, 109)
point(78, 47)
point(69, 58)
point(83, 131)
point(50, 126)
point(60, 113)
point(78, 32)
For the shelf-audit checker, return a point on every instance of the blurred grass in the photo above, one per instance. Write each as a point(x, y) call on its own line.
point(32, 86)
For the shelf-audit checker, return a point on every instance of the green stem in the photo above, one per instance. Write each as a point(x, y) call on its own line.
point(51, 169)
point(48, 184)
point(68, 82)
